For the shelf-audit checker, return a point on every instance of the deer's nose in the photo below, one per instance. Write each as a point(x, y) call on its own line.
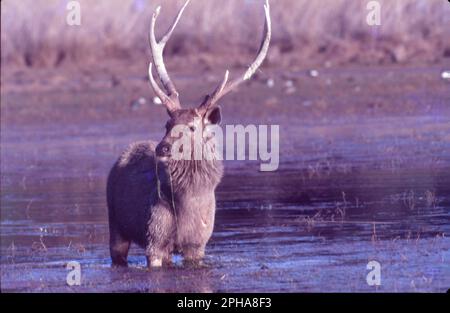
point(163, 149)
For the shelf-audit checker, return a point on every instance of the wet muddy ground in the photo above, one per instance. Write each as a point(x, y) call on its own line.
point(364, 175)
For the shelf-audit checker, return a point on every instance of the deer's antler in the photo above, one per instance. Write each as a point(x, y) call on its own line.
point(170, 99)
point(225, 86)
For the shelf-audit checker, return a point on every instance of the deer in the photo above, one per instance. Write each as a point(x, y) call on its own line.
point(164, 204)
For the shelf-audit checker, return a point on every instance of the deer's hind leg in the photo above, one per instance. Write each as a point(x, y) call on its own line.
point(118, 248)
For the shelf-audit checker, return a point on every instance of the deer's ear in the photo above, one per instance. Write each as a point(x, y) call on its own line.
point(215, 115)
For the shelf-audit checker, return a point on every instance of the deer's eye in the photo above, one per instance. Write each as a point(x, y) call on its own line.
point(192, 128)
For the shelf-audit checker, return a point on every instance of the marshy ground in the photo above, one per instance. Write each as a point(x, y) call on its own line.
point(364, 175)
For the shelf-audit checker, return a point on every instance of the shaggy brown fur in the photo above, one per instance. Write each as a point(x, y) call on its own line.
point(164, 206)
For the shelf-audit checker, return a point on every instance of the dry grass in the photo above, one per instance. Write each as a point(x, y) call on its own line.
point(34, 32)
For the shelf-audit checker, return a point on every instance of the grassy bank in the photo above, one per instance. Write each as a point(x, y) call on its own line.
point(35, 33)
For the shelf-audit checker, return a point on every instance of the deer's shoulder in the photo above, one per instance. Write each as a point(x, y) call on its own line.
point(138, 153)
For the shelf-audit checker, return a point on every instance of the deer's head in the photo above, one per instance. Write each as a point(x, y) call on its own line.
point(208, 112)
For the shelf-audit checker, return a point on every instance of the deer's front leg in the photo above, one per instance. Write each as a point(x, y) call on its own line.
point(160, 235)
point(193, 254)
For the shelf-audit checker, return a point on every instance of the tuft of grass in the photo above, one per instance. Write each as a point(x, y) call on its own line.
point(374, 234)
point(430, 198)
point(409, 199)
point(39, 246)
point(35, 33)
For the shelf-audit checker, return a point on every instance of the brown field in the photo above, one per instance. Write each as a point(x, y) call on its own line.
point(35, 33)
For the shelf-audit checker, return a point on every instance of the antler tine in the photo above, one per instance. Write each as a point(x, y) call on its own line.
point(161, 95)
point(216, 94)
point(171, 99)
point(262, 52)
point(174, 24)
point(225, 88)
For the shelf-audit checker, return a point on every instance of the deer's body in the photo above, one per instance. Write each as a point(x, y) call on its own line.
point(158, 200)
point(179, 217)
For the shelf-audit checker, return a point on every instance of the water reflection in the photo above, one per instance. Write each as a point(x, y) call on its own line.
point(312, 225)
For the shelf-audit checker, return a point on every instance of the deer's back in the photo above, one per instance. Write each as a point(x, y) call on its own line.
point(132, 191)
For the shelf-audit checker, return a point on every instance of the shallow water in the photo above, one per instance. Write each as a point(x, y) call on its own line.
point(347, 192)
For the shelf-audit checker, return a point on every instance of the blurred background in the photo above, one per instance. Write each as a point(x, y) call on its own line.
point(35, 33)
point(363, 113)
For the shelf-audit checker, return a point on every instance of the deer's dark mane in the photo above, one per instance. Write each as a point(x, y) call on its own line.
point(194, 176)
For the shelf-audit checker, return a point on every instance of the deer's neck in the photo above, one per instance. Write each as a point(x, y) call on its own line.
point(192, 177)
